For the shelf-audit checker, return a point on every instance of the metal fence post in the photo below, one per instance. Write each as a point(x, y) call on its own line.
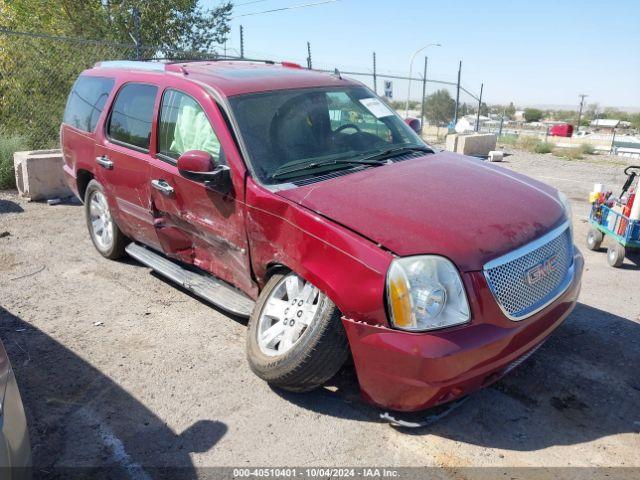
point(479, 107)
point(309, 64)
point(136, 32)
point(375, 76)
point(613, 142)
point(241, 41)
point(424, 91)
point(501, 123)
point(455, 112)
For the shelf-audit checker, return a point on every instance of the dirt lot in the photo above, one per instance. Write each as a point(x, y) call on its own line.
point(118, 367)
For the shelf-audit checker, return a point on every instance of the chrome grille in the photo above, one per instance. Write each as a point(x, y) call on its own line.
point(522, 281)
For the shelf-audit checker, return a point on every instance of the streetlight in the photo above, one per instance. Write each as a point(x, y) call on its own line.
point(413, 57)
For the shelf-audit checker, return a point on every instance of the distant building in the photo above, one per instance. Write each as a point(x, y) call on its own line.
point(605, 123)
point(518, 116)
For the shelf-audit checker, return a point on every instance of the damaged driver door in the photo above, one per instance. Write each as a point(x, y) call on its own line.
point(196, 222)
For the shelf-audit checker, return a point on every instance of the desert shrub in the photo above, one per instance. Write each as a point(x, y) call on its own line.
point(528, 143)
point(568, 153)
point(587, 149)
point(507, 140)
point(8, 145)
point(544, 147)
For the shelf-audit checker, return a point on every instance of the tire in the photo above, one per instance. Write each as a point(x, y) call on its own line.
point(109, 240)
point(594, 239)
point(316, 355)
point(616, 254)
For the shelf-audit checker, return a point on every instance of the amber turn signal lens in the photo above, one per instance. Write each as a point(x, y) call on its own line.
point(399, 296)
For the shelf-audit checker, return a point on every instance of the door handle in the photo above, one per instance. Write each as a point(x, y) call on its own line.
point(162, 186)
point(104, 162)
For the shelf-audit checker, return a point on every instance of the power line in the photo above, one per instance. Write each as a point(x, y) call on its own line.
point(303, 5)
point(248, 3)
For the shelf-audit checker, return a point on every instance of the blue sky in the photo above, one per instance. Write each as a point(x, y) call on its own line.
point(539, 52)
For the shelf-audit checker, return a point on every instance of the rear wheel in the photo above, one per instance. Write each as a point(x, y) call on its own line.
point(105, 234)
point(594, 239)
point(616, 254)
point(295, 340)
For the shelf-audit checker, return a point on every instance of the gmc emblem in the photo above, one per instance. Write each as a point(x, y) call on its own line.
point(542, 270)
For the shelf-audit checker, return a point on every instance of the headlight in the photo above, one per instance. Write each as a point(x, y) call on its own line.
point(425, 293)
point(567, 210)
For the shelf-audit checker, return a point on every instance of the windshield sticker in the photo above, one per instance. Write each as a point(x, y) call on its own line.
point(376, 107)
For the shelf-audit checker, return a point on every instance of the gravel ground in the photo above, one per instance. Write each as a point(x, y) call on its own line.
point(118, 367)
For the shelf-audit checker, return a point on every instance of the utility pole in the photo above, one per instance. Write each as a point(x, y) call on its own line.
point(309, 64)
point(375, 74)
point(582, 97)
point(241, 41)
point(136, 32)
point(479, 107)
point(424, 91)
point(455, 112)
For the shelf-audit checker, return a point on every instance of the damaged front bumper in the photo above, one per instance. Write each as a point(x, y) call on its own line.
point(414, 371)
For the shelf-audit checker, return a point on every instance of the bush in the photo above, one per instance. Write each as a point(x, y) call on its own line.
point(544, 147)
point(568, 153)
point(507, 140)
point(528, 143)
point(587, 149)
point(8, 145)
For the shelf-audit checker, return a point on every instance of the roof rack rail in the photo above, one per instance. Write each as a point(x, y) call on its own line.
point(132, 65)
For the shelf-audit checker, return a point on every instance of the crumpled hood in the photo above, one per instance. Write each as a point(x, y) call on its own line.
point(443, 203)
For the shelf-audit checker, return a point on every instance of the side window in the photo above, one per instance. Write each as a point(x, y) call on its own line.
point(184, 126)
point(86, 102)
point(132, 115)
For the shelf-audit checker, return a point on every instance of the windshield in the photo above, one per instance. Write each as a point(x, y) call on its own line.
point(320, 127)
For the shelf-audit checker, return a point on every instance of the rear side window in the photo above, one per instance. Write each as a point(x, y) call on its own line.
point(132, 115)
point(86, 102)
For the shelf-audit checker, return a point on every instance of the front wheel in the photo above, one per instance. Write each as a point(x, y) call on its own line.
point(616, 254)
point(295, 340)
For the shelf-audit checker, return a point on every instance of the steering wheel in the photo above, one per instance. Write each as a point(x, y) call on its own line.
point(347, 125)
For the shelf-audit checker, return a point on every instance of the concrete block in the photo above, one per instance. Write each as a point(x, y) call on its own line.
point(451, 142)
point(476, 144)
point(496, 156)
point(39, 174)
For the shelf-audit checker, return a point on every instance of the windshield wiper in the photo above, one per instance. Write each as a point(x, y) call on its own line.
point(396, 152)
point(326, 163)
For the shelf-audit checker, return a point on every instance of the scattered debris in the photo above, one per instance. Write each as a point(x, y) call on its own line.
point(5, 234)
point(54, 201)
point(98, 323)
point(29, 274)
point(419, 419)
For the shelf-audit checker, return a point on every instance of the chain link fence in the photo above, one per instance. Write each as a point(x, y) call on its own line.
point(37, 72)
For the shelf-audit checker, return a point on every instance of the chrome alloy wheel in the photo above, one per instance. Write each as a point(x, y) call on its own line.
point(290, 309)
point(101, 221)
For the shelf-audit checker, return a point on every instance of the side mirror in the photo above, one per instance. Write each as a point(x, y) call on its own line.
point(414, 123)
point(199, 166)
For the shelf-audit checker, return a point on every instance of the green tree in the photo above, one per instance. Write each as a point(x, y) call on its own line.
point(533, 115)
point(165, 24)
point(439, 107)
point(36, 73)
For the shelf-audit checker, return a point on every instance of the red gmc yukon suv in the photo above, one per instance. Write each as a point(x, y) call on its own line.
point(301, 200)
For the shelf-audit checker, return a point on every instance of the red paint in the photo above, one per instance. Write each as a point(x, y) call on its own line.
point(341, 234)
point(195, 161)
point(562, 130)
